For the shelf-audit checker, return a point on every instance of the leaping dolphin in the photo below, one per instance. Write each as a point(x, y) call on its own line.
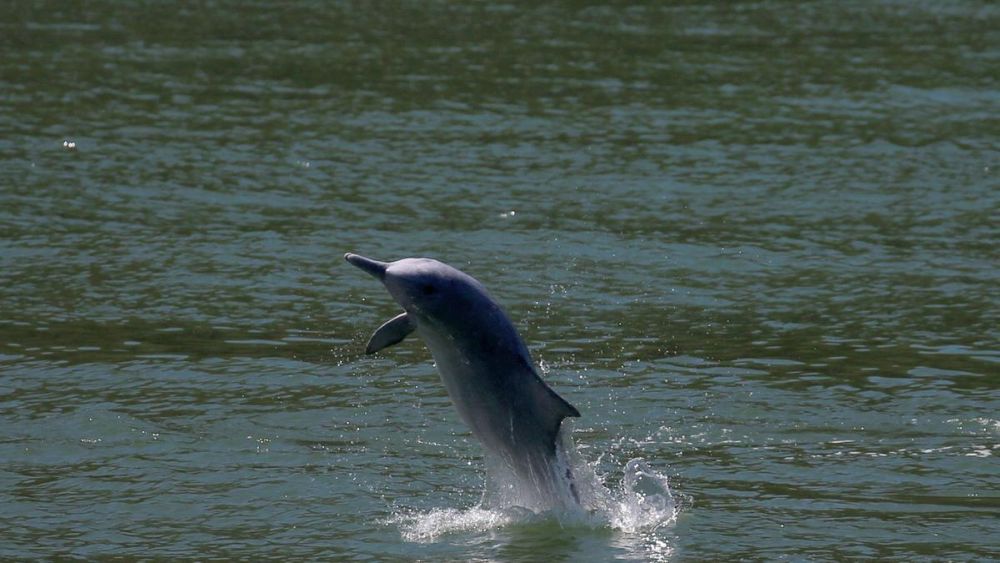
point(485, 367)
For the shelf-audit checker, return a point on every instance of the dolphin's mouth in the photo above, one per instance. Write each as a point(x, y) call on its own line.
point(375, 268)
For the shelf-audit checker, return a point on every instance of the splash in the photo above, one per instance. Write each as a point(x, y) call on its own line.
point(631, 508)
point(425, 527)
point(644, 500)
point(550, 487)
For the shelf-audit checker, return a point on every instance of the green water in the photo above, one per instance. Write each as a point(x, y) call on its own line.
point(754, 243)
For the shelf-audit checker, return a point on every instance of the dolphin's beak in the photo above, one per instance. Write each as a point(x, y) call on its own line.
point(373, 267)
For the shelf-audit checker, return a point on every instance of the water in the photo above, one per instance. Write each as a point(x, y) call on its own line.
point(753, 243)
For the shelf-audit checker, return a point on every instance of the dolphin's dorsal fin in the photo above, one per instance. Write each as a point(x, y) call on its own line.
point(563, 407)
point(551, 407)
point(393, 331)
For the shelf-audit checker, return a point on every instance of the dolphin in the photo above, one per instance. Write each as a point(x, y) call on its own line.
point(485, 367)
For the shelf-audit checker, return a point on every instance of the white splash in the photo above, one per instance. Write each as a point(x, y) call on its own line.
point(632, 509)
point(428, 526)
point(643, 501)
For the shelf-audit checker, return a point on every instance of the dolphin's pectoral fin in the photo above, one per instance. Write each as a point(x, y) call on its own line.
point(392, 332)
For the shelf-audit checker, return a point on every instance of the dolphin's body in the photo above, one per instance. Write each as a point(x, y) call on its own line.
point(485, 367)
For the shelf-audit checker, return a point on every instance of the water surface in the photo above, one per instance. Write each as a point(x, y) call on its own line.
point(754, 243)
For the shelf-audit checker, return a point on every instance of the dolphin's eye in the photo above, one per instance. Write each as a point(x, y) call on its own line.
point(428, 289)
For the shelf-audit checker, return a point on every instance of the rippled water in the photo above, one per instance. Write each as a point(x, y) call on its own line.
point(754, 243)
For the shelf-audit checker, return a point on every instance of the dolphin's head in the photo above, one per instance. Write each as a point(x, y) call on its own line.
point(428, 289)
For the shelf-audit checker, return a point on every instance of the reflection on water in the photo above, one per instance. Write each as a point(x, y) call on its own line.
point(754, 243)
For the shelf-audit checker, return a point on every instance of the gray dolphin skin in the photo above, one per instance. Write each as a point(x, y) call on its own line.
point(484, 365)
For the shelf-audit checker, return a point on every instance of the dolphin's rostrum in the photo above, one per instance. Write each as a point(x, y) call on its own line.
point(485, 367)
